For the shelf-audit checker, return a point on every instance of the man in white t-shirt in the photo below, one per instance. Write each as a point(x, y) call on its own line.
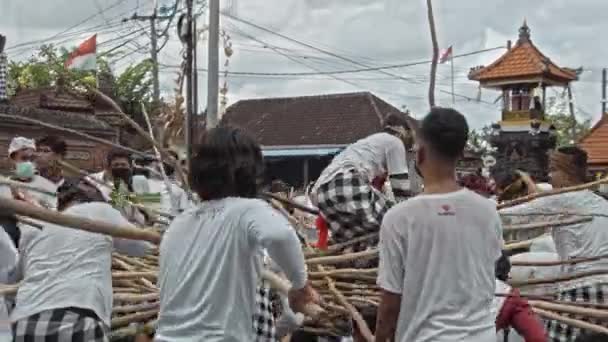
point(211, 255)
point(349, 191)
point(8, 261)
point(66, 292)
point(438, 249)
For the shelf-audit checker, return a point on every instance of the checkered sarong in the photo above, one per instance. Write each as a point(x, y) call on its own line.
point(265, 314)
point(3, 77)
point(60, 325)
point(560, 332)
point(351, 206)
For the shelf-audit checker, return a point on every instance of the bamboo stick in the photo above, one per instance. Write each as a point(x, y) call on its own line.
point(574, 310)
point(344, 271)
point(133, 318)
point(558, 279)
point(135, 307)
point(571, 321)
point(518, 245)
point(133, 275)
point(330, 260)
point(21, 185)
point(553, 192)
point(135, 297)
point(547, 224)
point(559, 262)
point(76, 222)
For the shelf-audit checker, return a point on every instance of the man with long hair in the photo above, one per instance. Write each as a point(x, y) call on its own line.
point(211, 255)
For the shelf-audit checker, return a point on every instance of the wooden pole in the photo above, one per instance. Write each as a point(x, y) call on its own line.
point(75, 222)
point(431, 18)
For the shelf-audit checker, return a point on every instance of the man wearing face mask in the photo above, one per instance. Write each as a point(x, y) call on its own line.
point(22, 154)
point(118, 180)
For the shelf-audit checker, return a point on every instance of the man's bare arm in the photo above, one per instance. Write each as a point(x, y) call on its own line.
point(388, 313)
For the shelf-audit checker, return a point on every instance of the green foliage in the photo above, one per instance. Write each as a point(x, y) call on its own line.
point(134, 86)
point(46, 68)
point(563, 123)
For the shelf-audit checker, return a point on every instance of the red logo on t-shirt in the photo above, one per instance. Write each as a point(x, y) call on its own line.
point(446, 210)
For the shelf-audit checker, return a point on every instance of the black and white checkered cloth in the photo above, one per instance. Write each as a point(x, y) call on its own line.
point(3, 77)
point(265, 314)
point(60, 325)
point(351, 206)
point(560, 332)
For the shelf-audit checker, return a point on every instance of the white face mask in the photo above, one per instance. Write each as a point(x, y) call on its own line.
point(25, 170)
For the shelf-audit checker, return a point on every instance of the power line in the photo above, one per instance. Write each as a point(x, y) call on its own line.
point(71, 27)
point(365, 67)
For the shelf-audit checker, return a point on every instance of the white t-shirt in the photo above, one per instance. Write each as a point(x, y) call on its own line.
point(372, 156)
point(210, 260)
point(586, 239)
point(8, 261)
point(72, 268)
point(439, 252)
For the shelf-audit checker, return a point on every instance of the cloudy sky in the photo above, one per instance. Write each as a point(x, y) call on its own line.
point(331, 35)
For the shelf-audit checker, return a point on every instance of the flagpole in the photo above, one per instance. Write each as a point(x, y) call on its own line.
point(452, 64)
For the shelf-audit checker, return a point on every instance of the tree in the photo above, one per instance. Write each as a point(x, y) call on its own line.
point(558, 113)
point(479, 140)
point(46, 68)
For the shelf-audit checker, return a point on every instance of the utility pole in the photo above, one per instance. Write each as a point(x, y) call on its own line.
point(572, 116)
point(189, 93)
point(213, 64)
point(604, 71)
point(431, 19)
point(194, 69)
point(154, 57)
point(153, 49)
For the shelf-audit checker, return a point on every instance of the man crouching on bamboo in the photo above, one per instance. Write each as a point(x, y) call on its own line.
point(66, 293)
point(348, 192)
point(211, 255)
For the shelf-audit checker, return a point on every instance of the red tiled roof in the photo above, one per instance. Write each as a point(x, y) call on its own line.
point(335, 119)
point(522, 61)
point(595, 143)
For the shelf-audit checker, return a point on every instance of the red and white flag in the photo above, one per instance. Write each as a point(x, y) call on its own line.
point(84, 57)
point(445, 55)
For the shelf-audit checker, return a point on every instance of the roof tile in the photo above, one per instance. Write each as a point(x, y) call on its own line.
point(596, 143)
point(335, 119)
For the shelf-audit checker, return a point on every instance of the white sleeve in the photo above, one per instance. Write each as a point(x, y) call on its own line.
point(396, 161)
point(391, 269)
point(125, 246)
point(8, 252)
point(266, 228)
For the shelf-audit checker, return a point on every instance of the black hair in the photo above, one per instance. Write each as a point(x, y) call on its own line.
point(228, 162)
point(57, 145)
point(398, 119)
point(503, 267)
point(79, 190)
point(446, 131)
point(117, 153)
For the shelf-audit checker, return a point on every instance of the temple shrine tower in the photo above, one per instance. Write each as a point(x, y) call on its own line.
point(523, 137)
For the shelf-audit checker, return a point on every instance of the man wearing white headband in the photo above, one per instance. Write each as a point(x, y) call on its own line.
point(349, 191)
